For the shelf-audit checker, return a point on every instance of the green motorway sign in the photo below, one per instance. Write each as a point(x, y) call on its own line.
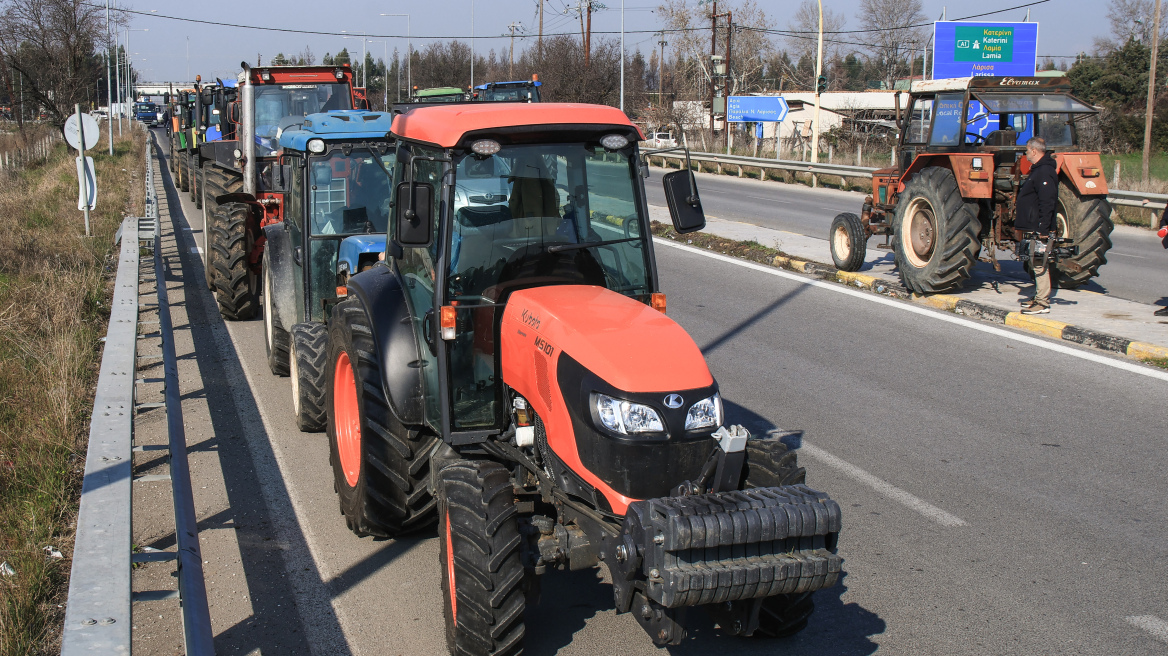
point(980, 43)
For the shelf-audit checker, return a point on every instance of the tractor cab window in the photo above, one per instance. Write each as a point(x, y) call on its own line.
point(1055, 129)
point(276, 103)
point(347, 195)
point(947, 127)
point(919, 120)
point(533, 215)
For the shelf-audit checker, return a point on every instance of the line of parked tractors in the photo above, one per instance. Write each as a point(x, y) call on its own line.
point(464, 294)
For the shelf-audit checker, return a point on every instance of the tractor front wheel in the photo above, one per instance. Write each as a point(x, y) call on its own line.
point(307, 363)
point(848, 242)
point(478, 547)
point(275, 337)
point(215, 182)
point(236, 287)
point(769, 463)
point(381, 468)
point(936, 233)
point(1086, 220)
point(183, 183)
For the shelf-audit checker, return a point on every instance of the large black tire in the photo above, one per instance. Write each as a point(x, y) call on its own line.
point(770, 464)
point(309, 364)
point(478, 546)
point(214, 182)
point(236, 286)
point(1086, 220)
point(173, 150)
point(276, 340)
point(381, 471)
point(196, 183)
point(183, 170)
point(936, 233)
point(848, 242)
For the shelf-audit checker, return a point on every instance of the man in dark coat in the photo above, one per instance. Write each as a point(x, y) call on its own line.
point(1036, 204)
point(1162, 233)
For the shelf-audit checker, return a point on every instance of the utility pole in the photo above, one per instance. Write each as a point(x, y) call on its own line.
point(818, 72)
point(588, 38)
point(1151, 91)
point(661, 71)
point(539, 46)
point(729, 80)
point(622, 57)
point(511, 69)
point(713, 51)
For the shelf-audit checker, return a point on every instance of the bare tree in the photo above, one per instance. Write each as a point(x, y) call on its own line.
point(690, 44)
point(51, 45)
point(802, 46)
point(306, 56)
point(1130, 19)
point(896, 32)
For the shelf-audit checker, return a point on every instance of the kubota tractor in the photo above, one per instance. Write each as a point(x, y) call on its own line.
point(516, 91)
point(951, 196)
point(335, 172)
point(241, 171)
point(509, 372)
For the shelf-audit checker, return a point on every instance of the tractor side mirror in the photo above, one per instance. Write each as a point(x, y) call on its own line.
point(685, 207)
point(1018, 122)
point(207, 96)
point(415, 218)
point(233, 112)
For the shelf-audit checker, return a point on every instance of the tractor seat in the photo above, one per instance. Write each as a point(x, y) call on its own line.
point(1002, 138)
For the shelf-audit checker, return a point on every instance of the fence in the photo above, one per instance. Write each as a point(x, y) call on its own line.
point(1153, 202)
point(38, 151)
point(98, 615)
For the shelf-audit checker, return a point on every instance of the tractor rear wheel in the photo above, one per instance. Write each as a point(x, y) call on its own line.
point(192, 174)
point(276, 340)
point(848, 242)
point(936, 233)
point(215, 183)
point(196, 184)
point(183, 183)
point(381, 468)
point(308, 362)
point(478, 546)
point(770, 464)
point(236, 287)
point(1086, 220)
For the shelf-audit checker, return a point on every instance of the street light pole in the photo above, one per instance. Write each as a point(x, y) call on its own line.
point(1151, 92)
point(118, 81)
point(818, 72)
point(472, 45)
point(622, 95)
point(409, 56)
point(109, 88)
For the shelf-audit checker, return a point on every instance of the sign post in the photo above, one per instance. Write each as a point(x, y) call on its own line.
point(964, 49)
point(82, 132)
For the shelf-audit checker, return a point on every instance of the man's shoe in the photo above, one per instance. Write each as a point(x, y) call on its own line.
point(1036, 309)
point(1029, 300)
point(1162, 312)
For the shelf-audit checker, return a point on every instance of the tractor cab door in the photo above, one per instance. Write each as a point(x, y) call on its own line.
point(918, 126)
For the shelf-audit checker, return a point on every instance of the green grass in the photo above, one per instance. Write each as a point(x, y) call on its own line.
point(54, 304)
point(1131, 168)
point(1157, 362)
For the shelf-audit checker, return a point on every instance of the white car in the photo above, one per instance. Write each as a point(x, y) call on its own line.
point(662, 140)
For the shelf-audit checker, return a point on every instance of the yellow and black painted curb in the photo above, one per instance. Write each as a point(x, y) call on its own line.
point(1030, 323)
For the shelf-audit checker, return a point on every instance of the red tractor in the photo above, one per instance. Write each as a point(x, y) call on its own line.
point(509, 373)
point(951, 196)
point(240, 177)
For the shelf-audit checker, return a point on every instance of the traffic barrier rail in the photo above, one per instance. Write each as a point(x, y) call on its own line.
point(98, 616)
point(1148, 200)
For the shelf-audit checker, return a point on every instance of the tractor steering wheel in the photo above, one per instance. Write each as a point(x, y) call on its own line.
point(977, 138)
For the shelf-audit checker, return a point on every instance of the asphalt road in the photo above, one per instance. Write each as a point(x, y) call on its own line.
point(1002, 493)
point(1136, 269)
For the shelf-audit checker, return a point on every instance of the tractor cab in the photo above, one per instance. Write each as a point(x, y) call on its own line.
point(336, 170)
point(489, 200)
point(516, 91)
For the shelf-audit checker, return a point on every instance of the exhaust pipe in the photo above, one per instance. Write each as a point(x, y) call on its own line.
point(247, 144)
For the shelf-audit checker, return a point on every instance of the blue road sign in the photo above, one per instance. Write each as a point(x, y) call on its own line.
point(744, 109)
point(965, 49)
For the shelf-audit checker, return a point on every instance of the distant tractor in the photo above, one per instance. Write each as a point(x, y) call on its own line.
point(338, 167)
point(951, 196)
point(438, 95)
point(516, 91)
point(242, 174)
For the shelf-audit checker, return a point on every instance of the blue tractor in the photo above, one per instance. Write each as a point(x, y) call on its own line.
point(516, 91)
point(335, 170)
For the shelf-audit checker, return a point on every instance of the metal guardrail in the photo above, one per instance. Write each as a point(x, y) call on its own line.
point(1115, 196)
point(98, 616)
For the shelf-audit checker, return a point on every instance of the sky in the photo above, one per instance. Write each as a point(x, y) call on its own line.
point(1066, 27)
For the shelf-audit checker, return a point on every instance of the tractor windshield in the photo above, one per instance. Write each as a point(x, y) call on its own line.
point(276, 102)
point(533, 215)
point(518, 93)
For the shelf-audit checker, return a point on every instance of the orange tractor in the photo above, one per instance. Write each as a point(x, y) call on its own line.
point(951, 197)
point(508, 373)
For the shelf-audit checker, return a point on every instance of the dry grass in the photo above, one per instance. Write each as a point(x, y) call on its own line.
point(54, 304)
point(747, 250)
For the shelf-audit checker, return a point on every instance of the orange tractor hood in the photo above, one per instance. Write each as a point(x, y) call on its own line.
point(627, 343)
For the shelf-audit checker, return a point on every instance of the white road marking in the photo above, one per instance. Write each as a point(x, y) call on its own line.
point(935, 314)
point(1141, 257)
point(1150, 623)
point(196, 250)
point(883, 487)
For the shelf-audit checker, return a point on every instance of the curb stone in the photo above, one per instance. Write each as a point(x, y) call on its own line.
point(1033, 324)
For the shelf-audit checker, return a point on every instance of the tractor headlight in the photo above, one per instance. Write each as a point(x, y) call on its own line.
point(706, 413)
point(315, 145)
point(624, 417)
